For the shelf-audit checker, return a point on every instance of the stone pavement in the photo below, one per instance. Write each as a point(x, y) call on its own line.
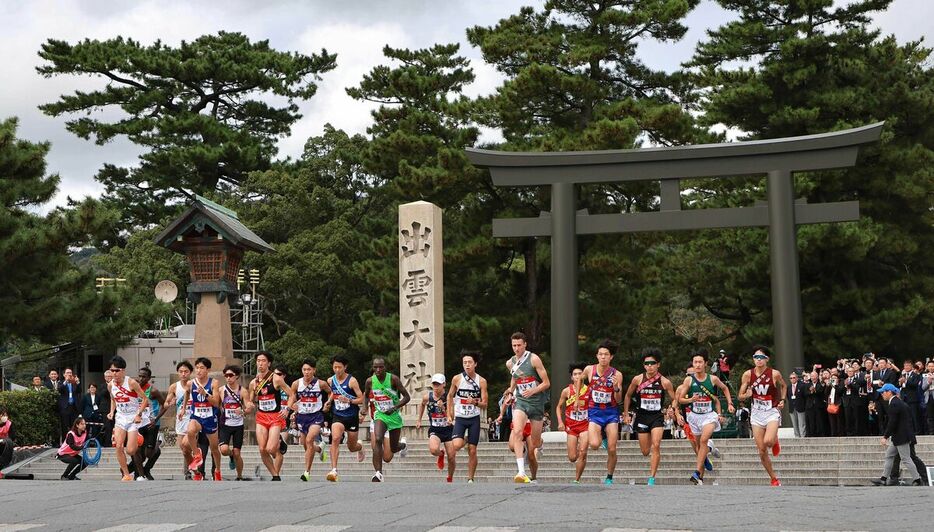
point(165, 506)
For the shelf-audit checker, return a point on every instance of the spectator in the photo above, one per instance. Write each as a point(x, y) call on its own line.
point(835, 391)
point(898, 434)
point(37, 384)
point(854, 402)
point(7, 438)
point(52, 382)
point(70, 451)
point(815, 406)
point(91, 408)
point(796, 405)
point(927, 387)
point(69, 400)
point(724, 365)
point(870, 373)
point(910, 382)
point(743, 427)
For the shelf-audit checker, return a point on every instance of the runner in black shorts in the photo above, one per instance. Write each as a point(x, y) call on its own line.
point(440, 431)
point(230, 432)
point(649, 387)
point(467, 399)
point(344, 403)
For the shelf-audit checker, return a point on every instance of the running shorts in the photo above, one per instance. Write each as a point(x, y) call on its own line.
point(762, 418)
point(576, 428)
point(270, 420)
point(698, 421)
point(445, 434)
point(350, 423)
point(305, 421)
point(470, 425)
point(226, 434)
point(646, 421)
point(126, 423)
point(534, 408)
point(603, 416)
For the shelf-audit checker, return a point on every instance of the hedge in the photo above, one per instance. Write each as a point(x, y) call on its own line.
point(32, 414)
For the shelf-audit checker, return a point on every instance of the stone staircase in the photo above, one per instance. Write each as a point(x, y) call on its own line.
point(803, 462)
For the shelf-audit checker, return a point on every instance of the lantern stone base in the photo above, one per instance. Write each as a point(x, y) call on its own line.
point(213, 336)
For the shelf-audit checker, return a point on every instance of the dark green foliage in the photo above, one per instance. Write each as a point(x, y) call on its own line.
point(32, 415)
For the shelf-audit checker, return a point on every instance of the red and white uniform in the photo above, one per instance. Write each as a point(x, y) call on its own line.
point(575, 410)
point(764, 399)
point(128, 403)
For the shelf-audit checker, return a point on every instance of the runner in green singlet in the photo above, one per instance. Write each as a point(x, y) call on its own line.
point(389, 396)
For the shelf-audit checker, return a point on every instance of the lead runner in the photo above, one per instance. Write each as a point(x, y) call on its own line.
point(697, 392)
point(764, 384)
point(528, 382)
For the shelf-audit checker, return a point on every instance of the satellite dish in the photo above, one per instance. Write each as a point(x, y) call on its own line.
point(166, 291)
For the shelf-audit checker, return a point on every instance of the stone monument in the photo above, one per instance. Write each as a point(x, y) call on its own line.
point(213, 240)
point(421, 301)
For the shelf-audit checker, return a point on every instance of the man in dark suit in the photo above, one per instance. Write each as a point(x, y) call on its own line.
point(898, 434)
point(854, 406)
point(815, 406)
point(797, 392)
point(910, 383)
point(69, 400)
point(52, 382)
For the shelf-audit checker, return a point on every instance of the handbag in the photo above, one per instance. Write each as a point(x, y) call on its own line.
point(833, 409)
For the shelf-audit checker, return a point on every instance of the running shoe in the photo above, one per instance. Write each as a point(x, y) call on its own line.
point(196, 460)
point(141, 479)
point(696, 479)
point(533, 481)
point(405, 448)
point(651, 481)
point(450, 480)
point(716, 452)
point(605, 445)
point(377, 477)
point(324, 453)
point(575, 481)
point(470, 481)
point(608, 481)
point(232, 464)
point(361, 455)
point(707, 465)
point(776, 482)
point(128, 478)
point(440, 463)
point(521, 479)
point(197, 476)
point(776, 448)
point(332, 476)
point(306, 476)
point(217, 476)
point(276, 478)
point(187, 475)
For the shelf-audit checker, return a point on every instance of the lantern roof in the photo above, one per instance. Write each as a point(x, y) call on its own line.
point(206, 213)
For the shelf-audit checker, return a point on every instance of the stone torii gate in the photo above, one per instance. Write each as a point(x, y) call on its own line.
point(777, 158)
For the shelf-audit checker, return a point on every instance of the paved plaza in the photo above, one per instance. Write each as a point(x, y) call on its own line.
point(166, 506)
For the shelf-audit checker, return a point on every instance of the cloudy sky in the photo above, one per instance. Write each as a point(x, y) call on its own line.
point(356, 30)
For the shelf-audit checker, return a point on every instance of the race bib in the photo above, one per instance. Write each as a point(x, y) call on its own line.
point(203, 410)
point(340, 405)
point(438, 420)
point(383, 402)
point(526, 383)
point(762, 404)
point(577, 415)
point(309, 405)
point(232, 417)
point(267, 403)
point(462, 408)
point(601, 397)
point(651, 404)
point(702, 406)
point(125, 407)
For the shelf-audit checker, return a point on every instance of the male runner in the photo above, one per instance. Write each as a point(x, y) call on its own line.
point(309, 392)
point(573, 420)
point(149, 430)
point(389, 396)
point(467, 399)
point(280, 371)
point(128, 402)
point(528, 382)
point(200, 395)
point(439, 425)
point(649, 424)
point(264, 391)
point(767, 389)
point(697, 390)
point(606, 384)
point(346, 398)
point(176, 395)
point(232, 407)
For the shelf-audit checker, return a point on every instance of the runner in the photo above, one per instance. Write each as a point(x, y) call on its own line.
point(126, 411)
point(270, 417)
point(346, 398)
point(204, 404)
point(232, 408)
point(697, 392)
point(767, 389)
point(649, 424)
point(467, 399)
point(176, 395)
point(389, 396)
point(149, 430)
point(528, 382)
point(573, 420)
point(606, 385)
point(284, 403)
point(309, 394)
point(439, 425)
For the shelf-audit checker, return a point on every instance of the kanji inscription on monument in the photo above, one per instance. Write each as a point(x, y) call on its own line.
point(421, 292)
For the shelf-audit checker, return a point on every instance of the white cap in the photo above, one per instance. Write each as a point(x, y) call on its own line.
point(437, 378)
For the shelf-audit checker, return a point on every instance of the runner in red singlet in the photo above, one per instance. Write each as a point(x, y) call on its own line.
point(574, 419)
point(766, 387)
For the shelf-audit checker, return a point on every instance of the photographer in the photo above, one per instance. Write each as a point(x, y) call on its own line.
point(834, 392)
point(927, 395)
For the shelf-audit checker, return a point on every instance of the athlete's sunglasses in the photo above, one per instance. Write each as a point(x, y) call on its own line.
point(116, 370)
point(760, 357)
point(230, 375)
point(649, 362)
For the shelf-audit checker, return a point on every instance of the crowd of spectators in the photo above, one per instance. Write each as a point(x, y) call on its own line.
point(845, 400)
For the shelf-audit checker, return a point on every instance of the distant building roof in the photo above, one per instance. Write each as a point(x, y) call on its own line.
point(220, 218)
